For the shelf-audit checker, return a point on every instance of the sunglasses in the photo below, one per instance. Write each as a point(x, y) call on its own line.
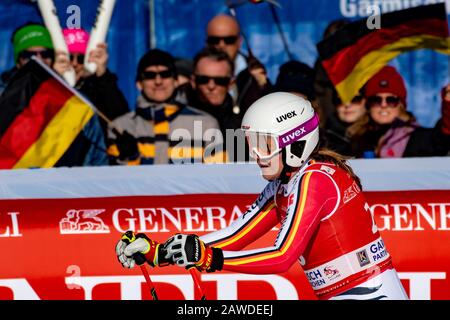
point(213, 40)
point(151, 75)
point(219, 81)
point(44, 54)
point(78, 57)
point(375, 101)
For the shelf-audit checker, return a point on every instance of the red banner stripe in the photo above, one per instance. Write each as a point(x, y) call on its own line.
point(341, 64)
point(26, 128)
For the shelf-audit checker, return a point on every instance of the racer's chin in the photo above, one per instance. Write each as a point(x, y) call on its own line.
point(271, 169)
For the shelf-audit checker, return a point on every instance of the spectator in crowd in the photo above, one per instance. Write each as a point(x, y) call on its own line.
point(185, 68)
point(335, 132)
point(212, 78)
point(223, 32)
point(33, 39)
point(101, 87)
point(389, 130)
point(30, 39)
point(162, 129)
point(298, 78)
point(323, 86)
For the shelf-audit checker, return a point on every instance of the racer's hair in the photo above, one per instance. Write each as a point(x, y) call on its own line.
point(324, 154)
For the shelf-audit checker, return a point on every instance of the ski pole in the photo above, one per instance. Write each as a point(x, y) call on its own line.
point(196, 279)
point(140, 260)
point(150, 285)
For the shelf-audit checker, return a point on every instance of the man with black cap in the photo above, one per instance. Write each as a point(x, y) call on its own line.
point(162, 129)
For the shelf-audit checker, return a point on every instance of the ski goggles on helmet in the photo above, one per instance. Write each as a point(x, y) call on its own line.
point(264, 146)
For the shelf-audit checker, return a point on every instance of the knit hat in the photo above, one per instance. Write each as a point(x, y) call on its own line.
point(33, 35)
point(296, 76)
point(386, 80)
point(155, 57)
point(76, 40)
point(185, 67)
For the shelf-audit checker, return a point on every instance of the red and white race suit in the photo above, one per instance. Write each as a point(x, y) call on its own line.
point(326, 224)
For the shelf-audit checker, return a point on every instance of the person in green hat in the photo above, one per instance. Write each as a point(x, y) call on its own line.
point(31, 39)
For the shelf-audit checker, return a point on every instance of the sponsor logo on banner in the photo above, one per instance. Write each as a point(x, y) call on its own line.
point(10, 228)
point(363, 258)
point(412, 216)
point(415, 228)
point(83, 221)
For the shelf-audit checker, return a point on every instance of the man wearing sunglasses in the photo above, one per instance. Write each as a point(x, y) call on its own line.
point(209, 91)
point(389, 130)
point(163, 129)
point(223, 33)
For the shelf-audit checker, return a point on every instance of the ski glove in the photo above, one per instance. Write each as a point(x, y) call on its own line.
point(189, 251)
point(137, 249)
point(127, 145)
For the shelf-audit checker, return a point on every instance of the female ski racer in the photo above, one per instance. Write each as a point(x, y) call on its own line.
point(325, 220)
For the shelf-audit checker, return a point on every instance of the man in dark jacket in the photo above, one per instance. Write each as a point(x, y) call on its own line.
point(208, 91)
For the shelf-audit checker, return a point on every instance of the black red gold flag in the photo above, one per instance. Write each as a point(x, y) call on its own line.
point(40, 117)
point(353, 54)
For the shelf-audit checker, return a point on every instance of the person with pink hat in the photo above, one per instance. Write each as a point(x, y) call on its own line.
point(77, 41)
point(101, 87)
point(389, 130)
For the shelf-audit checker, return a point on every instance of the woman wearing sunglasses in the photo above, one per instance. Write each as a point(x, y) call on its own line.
point(389, 130)
point(314, 198)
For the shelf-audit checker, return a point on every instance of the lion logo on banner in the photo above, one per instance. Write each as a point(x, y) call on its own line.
point(83, 221)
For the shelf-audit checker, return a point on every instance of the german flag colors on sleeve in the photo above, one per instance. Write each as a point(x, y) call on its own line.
point(355, 53)
point(41, 117)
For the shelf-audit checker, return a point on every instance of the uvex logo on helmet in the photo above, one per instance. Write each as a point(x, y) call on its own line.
point(286, 116)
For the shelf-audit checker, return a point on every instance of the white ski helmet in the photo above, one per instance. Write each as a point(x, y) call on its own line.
point(281, 120)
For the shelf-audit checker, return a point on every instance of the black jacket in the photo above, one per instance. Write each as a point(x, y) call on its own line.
point(229, 122)
point(105, 94)
point(249, 90)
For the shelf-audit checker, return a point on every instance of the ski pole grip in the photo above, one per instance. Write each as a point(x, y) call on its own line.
point(138, 257)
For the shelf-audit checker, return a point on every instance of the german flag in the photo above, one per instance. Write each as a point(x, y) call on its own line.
point(40, 117)
point(355, 53)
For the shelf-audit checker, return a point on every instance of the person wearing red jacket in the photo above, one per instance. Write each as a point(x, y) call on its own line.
point(325, 221)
